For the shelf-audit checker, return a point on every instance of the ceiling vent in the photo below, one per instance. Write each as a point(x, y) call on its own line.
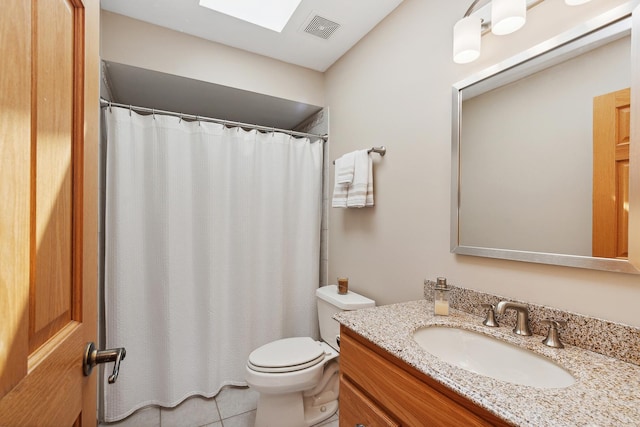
point(321, 27)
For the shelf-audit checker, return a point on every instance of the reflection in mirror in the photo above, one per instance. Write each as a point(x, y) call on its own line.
point(540, 172)
point(534, 139)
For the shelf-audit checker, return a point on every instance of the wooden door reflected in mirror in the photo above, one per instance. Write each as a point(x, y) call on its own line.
point(611, 137)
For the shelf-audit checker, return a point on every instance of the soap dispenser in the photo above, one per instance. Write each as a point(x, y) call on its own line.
point(441, 297)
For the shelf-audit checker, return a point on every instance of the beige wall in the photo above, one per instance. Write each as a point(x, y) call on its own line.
point(394, 89)
point(136, 43)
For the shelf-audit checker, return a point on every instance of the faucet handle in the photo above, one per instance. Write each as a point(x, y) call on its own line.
point(553, 336)
point(490, 319)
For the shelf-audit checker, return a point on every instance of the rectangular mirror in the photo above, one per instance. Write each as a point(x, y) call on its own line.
point(540, 153)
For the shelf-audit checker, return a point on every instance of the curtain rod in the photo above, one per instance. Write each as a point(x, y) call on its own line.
point(104, 103)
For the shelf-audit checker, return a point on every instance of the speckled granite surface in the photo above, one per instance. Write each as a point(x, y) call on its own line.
point(602, 336)
point(606, 392)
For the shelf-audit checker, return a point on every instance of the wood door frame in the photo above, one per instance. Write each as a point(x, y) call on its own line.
point(90, 197)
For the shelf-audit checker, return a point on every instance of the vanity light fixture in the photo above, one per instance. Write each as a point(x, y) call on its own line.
point(501, 16)
point(466, 39)
point(507, 16)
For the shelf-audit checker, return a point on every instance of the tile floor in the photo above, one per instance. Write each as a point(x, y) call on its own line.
point(232, 407)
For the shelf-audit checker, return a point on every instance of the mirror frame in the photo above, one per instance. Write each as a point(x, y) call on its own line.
point(600, 28)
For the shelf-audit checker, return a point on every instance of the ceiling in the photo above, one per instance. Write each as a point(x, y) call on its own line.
point(130, 85)
point(293, 45)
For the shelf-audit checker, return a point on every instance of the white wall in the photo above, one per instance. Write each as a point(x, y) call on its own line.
point(139, 44)
point(394, 89)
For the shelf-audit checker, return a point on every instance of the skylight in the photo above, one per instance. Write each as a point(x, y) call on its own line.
point(271, 14)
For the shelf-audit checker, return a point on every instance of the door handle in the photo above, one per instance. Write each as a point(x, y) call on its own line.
point(93, 356)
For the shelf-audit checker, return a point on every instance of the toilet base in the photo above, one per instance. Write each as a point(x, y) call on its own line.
point(301, 408)
point(316, 414)
point(288, 410)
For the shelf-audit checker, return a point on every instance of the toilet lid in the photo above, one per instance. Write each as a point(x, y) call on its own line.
point(286, 355)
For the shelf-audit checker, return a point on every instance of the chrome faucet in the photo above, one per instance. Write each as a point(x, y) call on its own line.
point(522, 319)
point(490, 319)
point(553, 336)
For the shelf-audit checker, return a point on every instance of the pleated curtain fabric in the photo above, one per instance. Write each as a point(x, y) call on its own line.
point(212, 240)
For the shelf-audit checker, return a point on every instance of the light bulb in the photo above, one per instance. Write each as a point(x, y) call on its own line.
point(507, 16)
point(466, 40)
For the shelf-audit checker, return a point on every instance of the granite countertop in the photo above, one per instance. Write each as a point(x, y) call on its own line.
point(606, 392)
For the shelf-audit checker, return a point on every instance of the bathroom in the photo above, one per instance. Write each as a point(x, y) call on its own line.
point(394, 89)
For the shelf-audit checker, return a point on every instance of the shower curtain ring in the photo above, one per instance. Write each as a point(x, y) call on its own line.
point(198, 120)
point(153, 113)
point(180, 118)
point(129, 110)
point(110, 110)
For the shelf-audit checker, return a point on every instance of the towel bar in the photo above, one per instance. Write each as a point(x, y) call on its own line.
point(380, 150)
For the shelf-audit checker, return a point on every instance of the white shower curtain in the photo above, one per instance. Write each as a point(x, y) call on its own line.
point(212, 240)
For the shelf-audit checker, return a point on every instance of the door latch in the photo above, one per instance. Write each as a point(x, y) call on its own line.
point(93, 356)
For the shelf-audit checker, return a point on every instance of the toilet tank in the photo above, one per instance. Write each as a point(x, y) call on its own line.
point(331, 302)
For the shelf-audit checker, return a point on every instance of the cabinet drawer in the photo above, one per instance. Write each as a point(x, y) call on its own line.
point(358, 409)
point(407, 395)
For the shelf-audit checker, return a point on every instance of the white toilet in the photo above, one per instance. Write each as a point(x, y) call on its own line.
point(297, 378)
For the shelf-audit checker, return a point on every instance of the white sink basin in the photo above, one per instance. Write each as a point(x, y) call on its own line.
point(492, 357)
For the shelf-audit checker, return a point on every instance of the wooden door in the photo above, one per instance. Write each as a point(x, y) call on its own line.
point(48, 210)
point(611, 137)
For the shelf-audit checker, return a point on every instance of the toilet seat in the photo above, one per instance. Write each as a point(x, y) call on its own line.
point(286, 355)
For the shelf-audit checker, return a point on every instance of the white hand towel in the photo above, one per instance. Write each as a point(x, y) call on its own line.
point(344, 168)
point(359, 189)
point(369, 198)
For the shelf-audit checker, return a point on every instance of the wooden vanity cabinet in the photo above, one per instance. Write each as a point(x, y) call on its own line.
point(357, 409)
point(379, 390)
